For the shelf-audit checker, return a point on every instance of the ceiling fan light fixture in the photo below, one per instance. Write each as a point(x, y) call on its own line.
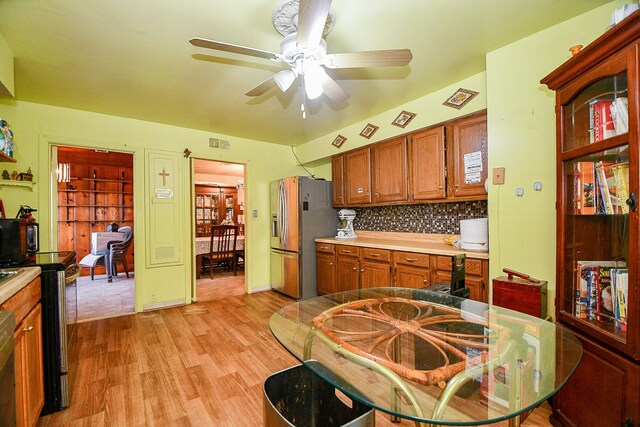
point(284, 79)
point(313, 78)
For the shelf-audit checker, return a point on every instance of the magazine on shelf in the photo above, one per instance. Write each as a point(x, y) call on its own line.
point(585, 187)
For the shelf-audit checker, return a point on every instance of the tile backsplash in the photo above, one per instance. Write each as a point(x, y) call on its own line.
point(441, 218)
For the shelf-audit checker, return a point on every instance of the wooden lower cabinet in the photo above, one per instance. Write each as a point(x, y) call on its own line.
point(476, 275)
point(603, 391)
point(29, 371)
point(375, 274)
point(347, 273)
point(411, 277)
point(326, 268)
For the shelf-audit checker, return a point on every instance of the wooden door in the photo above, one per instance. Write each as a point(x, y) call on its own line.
point(347, 273)
point(375, 274)
point(390, 171)
point(427, 160)
point(357, 169)
point(337, 176)
point(326, 273)
point(467, 152)
point(411, 277)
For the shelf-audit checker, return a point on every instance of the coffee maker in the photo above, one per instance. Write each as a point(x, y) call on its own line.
point(33, 237)
point(345, 230)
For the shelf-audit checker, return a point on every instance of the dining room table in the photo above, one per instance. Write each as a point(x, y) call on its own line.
point(429, 357)
point(203, 246)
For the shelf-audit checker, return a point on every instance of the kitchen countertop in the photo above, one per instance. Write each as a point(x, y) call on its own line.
point(410, 242)
point(10, 287)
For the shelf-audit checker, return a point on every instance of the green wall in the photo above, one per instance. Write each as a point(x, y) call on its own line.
point(521, 126)
point(37, 126)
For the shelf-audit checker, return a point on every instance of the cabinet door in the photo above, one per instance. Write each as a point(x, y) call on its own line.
point(32, 362)
point(390, 171)
point(375, 274)
point(427, 159)
point(475, 284)
point(467, 152)
point(357, 168)
point(613, 383)
point(337, 176)
point(347, 273)
point(411, 277)
point(21, 378)
point(326, 273)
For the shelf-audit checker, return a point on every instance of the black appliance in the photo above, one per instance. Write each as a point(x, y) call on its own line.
point(59, 318)
point(13, 241)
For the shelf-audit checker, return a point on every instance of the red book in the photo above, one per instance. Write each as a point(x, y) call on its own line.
point(602, 126)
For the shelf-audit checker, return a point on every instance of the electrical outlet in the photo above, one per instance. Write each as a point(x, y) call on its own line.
point(498, 176)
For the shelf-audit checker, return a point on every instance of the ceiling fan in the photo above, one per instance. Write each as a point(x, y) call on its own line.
point(303, 23)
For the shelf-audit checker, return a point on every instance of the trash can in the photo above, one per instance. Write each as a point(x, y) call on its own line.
point(298, 397)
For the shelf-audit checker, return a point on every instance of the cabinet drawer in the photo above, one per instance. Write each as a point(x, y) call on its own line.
point(376, 254)
point(24, 300)
point(328, 248)
point(345, 250)
point(412, 258)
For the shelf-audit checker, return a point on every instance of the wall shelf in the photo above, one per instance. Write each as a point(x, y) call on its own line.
point(26, 184)
point(5, 158)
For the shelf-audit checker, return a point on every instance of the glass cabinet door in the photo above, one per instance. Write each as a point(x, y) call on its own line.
point(596, 241)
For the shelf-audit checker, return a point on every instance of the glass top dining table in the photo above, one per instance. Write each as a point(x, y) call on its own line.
point(429, 357)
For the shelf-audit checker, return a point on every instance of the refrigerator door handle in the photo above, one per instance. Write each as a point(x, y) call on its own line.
point(281, 214)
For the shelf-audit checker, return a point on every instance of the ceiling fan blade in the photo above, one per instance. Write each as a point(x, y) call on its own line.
point(312, 16)
point(227, 47)
point(262, 87)
point(373, 58)
point(332, 89)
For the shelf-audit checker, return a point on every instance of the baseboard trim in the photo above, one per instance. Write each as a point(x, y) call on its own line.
point(262, 289)
point(160, 305)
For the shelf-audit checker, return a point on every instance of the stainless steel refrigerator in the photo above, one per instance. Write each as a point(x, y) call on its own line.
point(301, 211)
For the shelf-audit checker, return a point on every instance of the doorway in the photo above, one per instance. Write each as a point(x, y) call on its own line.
point(219, 200)
point(95, 197)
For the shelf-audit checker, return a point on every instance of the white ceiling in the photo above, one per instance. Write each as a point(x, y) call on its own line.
point(132, 58)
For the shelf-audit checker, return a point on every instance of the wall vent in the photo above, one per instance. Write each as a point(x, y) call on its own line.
point(221, 144)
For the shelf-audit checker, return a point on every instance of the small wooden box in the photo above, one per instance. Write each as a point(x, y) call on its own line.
point(522, 293)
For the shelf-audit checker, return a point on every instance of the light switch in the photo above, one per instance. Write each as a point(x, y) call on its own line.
point(498, 176)
point(254, 213)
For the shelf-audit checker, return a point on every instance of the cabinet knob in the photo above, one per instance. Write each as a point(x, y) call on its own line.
point(330, 263)
point(362, 270)
point(424, 282)
point(355, 268)
point(440, 187)
point(29, 329)
point(376, 194)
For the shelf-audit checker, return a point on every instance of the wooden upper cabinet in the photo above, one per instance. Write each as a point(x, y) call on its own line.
point(467, 154)
point(337, 176)
point(357, 167)
point(390, 171)
point(427, 157)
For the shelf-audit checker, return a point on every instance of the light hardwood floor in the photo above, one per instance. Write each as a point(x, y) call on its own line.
point(201, 365)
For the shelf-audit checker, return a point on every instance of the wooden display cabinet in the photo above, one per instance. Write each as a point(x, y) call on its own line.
point(214, 204)
point(597, 226)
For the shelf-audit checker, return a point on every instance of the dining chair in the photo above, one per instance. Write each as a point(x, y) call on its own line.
point(222, 248)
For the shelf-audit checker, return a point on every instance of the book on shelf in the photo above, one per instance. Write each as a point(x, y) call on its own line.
point(595, 295)
point(600, 120)
point(621, 175)
point(585, 187)
point(606, 186)
point(620, 285)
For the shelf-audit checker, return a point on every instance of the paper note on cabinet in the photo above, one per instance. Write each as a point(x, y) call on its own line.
point(473, 167)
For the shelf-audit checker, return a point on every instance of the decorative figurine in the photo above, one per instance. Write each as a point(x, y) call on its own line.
point(5, 175)
point(14, 175)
